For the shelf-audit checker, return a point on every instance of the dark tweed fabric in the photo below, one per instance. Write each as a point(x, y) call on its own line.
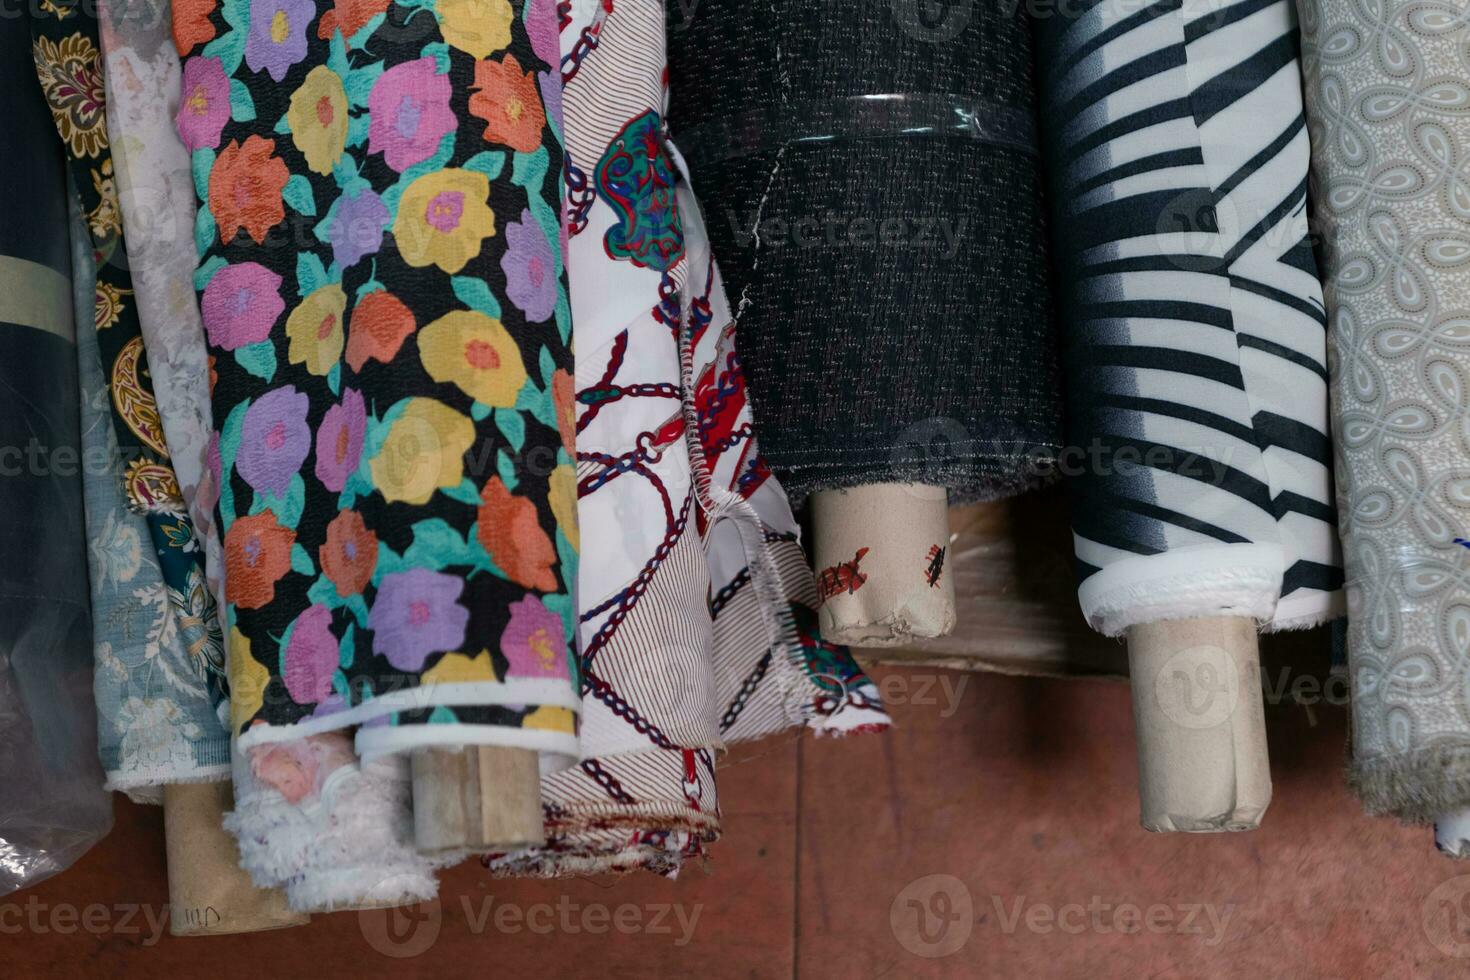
point(891, 284)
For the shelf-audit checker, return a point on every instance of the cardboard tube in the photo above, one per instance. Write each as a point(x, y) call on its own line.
point(209, 894)
point(478, 798)
point(1200, 724)
point(882, 558)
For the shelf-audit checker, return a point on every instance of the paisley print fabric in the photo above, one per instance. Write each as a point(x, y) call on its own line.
point(696, 603)
point(160, 669)
point(1387, 107)
point(384, 303)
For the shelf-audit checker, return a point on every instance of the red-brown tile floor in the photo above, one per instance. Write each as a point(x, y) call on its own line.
point(1020, 791)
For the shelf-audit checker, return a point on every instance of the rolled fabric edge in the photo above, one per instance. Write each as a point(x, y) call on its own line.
point(1186, 583)
point(1416, 788)
point(988, 477)
point(1452, 834)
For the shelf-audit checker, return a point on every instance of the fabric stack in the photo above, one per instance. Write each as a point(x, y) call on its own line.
point(426, 511)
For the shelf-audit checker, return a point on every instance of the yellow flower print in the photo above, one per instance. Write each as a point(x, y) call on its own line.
point(318, 119)
point(443, 218)
point(477, 354)
point(563, 493)
point(460, 668)
point(248, 680)
point(315, 329)
point(551, 719)
point(424, 450)
point(477, 27)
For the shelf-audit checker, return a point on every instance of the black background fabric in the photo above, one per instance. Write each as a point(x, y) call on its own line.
point(877, 361)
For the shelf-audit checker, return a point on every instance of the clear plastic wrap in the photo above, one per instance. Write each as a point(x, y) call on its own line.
point(52, 805)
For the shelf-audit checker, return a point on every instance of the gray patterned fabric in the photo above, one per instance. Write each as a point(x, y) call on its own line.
point(1390, 123)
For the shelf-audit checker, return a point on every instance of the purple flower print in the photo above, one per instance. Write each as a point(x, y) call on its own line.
point(530, 269)
point(277, 38)
point(241, 304)
point(339, 441)
point(551, 96)
point(416, 613)
point(311, 656)
point(357, 227)
point(209, 486)
point(205, 106)
point(409, 112)
point(541, 25)
point(274, 441)
point(534, 641)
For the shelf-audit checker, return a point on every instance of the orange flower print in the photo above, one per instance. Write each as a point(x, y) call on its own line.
point(245, 189)
point(257, 555)
point(191, 24)
point(350, 16)
point(511, 532)
point(509, 102)
point(564, 396)
point(377, 327)
point(350, 553)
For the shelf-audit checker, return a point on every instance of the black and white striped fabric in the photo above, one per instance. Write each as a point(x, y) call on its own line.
point(1193, 324)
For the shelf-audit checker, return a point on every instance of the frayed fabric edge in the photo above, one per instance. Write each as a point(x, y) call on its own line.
point(146, 786)
point(1417, 788)
point(1233, 580)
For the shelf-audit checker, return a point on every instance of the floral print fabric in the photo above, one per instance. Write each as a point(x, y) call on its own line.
point(160, 660)
point(156, 722)
point(384, 303)
point(156, 194)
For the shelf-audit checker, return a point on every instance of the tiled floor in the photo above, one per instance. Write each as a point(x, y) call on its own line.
point(1020, 792)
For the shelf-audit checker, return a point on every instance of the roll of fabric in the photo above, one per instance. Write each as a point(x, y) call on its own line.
point(156, 196)
point(875, 199)
point(697, 620)
point(380, 210)
point(156, 721)
point(308, 819)
point(53, 807)
point(1194, 331)
point(1387, 110)
point(159, 650)
point(67, 62)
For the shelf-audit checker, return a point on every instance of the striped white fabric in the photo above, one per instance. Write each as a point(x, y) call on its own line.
point(1192, 315)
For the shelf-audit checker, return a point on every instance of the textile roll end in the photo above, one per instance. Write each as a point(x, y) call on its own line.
point(1200, 725)
point(882, 557)
point(209, 893)
point(478, 798)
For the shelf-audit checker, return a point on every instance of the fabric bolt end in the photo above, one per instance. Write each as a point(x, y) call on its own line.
point(1452, 834)
point(1416, 788)
point(344, 840)
point(889, 279)
point(1233, 580)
